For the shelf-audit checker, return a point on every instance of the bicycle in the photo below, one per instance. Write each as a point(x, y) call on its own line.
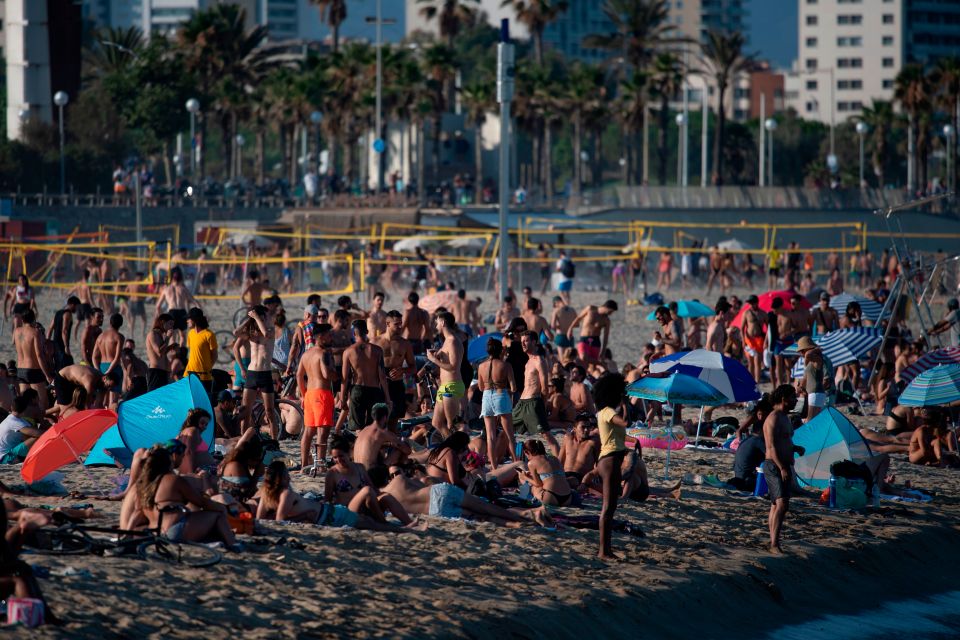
point(284, 398)
point(149, 544)
point(225, 346)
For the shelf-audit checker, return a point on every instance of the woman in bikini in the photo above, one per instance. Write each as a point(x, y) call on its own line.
point(664, 267)
point(495, 380)
point(239, 471)
point(166, 500)
point(191, 434)
point(443, 463)
point(280, 502)
point(546, 475)
point(348, 484)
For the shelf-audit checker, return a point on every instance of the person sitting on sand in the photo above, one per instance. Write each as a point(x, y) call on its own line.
point(635, 483)
point(545, 475)
point(280, 502)
point(165, 498)
point(443, 462)
point(450, 501)
point(579, 451)
point(239, 471)
point(197, 455)
point(560, 409)
point(752, 450)
point(77, 402)
point(17, 430)
point(929, 441)
point(378, 445)
point(347, 483)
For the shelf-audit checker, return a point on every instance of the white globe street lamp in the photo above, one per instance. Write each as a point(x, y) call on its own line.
point(770, 125)
point(61, 98)
point(862, 130)
point(948, 132)
point(193, 107)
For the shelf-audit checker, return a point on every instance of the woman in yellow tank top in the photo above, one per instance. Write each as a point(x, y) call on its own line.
point(608, 396)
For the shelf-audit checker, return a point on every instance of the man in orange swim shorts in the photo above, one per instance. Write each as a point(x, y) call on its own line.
point(315, 376)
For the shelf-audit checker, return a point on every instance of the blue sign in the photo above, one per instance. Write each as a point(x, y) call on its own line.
point(379, 145)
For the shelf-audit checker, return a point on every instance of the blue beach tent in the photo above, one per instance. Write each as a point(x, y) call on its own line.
point(828, 438)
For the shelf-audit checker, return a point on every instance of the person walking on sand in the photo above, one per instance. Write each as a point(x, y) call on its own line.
point(315, 375)
point(608, 394)
point(448, 358)
point(593, 322)
point(777, 434)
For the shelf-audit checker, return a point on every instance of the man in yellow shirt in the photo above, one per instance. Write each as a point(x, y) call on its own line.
point(202, 348)
point(773, 267)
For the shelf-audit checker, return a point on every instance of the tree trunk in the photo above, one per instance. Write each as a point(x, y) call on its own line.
point(282, 138)
point(597, 159)
point(577, 161)
point(261, 151)
point(227, 145)
point(538, 47)
point(292, 150)
point(435, 149)
point(236, 169)
point(637, 146)
point(534, 171)
point(478, 161)
point(721, 130)
point(548, 162)
point(336, 37)
point(662, 140)
point(167, 173)
point(421, 168)
point(348, 147)
point(625, 174)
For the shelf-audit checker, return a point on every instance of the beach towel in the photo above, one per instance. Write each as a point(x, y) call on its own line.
point(916, 496)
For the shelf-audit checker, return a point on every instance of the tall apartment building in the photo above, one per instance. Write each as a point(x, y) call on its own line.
point(850, 51)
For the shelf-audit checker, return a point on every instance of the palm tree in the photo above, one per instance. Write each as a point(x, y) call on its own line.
point(641, 29)
point(479, 98)
point(452, 17)
point(351, 76)
point(537, 15)
point(114, 50)
point(724, 60)
point(440, 67)
point(584, 87)
point(945, 77)
point(333, 12)
point(667, 81)
point(912, 91)
point(630, 109)
point(880, 118)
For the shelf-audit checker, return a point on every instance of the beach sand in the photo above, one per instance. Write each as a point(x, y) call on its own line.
point(702, 568)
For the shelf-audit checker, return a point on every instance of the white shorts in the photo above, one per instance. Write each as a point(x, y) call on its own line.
point(496, 402)
point(817, 399)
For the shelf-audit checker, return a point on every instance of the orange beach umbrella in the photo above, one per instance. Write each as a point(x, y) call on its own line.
point(65, 441)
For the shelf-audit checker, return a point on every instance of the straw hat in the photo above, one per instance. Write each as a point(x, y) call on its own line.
point(805, 344)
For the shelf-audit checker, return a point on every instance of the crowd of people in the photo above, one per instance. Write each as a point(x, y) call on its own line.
point(392, 405)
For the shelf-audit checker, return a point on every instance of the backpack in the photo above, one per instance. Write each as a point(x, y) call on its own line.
point(568, 269)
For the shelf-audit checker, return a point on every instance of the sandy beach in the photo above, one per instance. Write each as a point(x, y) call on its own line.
point(702, 567)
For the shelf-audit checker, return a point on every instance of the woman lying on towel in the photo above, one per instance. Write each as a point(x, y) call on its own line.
point(278, 501)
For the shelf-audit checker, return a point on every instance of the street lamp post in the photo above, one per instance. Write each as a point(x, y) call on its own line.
point(862, 129)
point(193, 106)
point(770, 125)
point(60, 98)
point(681, 147)
point(948, 132)
point(316, 118)
point(505, 88)
point(379, 145)
point(240, 140)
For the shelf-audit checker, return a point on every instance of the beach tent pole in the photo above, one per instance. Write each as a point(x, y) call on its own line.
point(699, 422)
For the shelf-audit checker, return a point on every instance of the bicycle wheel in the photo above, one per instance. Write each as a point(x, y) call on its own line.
point(61, 543)
point(239, 315)
point(225, 346)
point(188, 554)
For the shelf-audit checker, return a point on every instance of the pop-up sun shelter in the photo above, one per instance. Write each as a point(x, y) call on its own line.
point(828, 438)
point(151, 418)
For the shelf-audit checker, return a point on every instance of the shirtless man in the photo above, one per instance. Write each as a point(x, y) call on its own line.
point(136, 292)
point(753, 335)
point(33, 371)
point(377, 317)
point(466, 314)
point(253, 291)
point(799, 317)
point(82, 291)
point(716, 269)
point(506, 313)
point(717, 331)
point(287, 266)
point(159, 344)
point(106, 358)
point(578, 453)
point(593, 321)
point(670, 335)
point(364, 380)
point(78, 375)
point(259, 378)
point(561, 412)
point(824, 318)
point(530, 412)
point(579, 394)
point(535, 321)
point(778, 434)
point(416, 325)
point(315, 375)
point(59, 332)
point(451, 388)
point(134, 374)
point(560, 320)
point(399, 361)
point(177, 299)
point(376, 444)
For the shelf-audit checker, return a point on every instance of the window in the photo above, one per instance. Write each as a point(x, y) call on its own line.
point(811, 1)
point(888, 18)
point(739, 92)
point(849, 19)
point(849, 1)
point(849, 41)
point(811, 106)
point(849, 63)
point(811, 85)
point(849, 84)
point(888, 41)
point(811, 63)
point(811, 21)
point(888, 84)
point(887, 62)
point(811, 42)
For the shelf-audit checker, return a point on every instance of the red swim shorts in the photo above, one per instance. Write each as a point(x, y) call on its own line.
point(318, 408)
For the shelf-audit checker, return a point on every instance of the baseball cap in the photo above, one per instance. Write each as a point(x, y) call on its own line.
point(824, 295)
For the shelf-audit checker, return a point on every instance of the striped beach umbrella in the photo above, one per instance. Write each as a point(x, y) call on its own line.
point(842, 346)
point(934, 387)
point(871, 308)
point(725, 374)
point(949, 355)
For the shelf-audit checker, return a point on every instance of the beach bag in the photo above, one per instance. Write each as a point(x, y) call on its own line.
point(488, 490)
point(568, 269)
point(851, 494)
point(655, 298)
point(853, 471)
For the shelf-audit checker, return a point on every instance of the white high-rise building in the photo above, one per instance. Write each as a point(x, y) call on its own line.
point(850, 51)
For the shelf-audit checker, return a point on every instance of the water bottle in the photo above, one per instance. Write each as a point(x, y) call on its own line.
point(876, 495)
point(833, 492)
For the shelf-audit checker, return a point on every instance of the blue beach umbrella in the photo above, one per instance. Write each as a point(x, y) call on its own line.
point(937, 386)
point(871, 308)
point(842, 346)
point(477, 348)
point(678, 388)
point(725, 374)
point(688, 309)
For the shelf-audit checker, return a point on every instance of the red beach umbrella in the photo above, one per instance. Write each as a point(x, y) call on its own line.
point(65, 441)
point(765, 302)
